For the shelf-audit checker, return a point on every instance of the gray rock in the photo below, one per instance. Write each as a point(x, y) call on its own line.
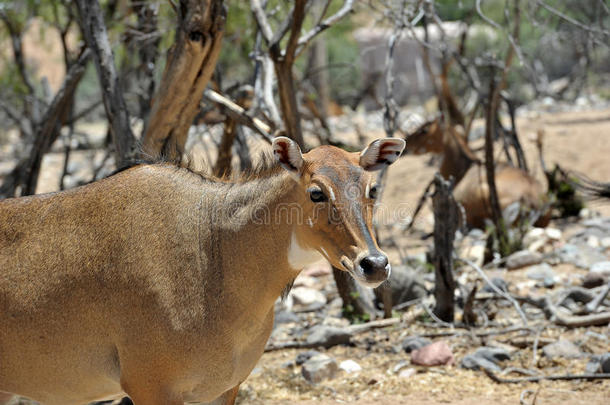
point(542, 272)
point(471, 362)
point(605, 362)
point(318, 368)
point(593, 366)
point(598, 364)
point(602, 268)
point(304, 356)
point(414, 342)
point(493, 354)
point(485, 358)
point(561, 348)
point(580, 255)
point(498, 282)
point(522, 258)
point(328, 336)
point(405, 284)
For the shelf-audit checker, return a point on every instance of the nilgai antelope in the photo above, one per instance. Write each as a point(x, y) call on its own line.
point(160, 283)
point(471, 190)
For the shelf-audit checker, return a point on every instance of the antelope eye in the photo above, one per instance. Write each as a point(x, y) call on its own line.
point(373, 192)
point(317, 195)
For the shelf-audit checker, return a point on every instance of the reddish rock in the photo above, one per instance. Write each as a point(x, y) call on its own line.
point(434, 354)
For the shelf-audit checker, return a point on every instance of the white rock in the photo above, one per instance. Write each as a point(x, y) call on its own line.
point(553, 233)
point(605, 242)
point(407, 373)
point(538, 246)
point(350, 366)
point(307, 296)
point(593, 241)
point(533, 235)
point(304, 281)
point(601, 268)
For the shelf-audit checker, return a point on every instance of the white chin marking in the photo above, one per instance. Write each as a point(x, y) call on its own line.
point(299, 257)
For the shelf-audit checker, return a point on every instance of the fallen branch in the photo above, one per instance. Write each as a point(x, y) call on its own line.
point(557, 377)
point(511, 329)
point(380, 323)
point(593, 305)
point(555, 315)
point(496, 289)
point(352, 329)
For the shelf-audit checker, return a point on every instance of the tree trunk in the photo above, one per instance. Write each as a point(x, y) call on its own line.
point(500, 227)
point(445, 225)
point(357, 304)
point(94, 30)
point(190, 64)
point(148, 52)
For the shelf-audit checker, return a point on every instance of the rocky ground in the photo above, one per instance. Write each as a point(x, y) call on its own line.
point(569, 262)
point(418, 360)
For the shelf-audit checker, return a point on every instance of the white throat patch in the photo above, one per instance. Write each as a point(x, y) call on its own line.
point(299, 257)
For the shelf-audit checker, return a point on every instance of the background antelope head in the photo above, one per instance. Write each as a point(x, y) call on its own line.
point(337, 192)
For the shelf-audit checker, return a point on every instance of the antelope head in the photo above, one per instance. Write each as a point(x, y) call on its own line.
point(337, 192)
point(428, 138)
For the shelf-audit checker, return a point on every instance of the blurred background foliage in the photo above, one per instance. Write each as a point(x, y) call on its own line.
point(551, 47)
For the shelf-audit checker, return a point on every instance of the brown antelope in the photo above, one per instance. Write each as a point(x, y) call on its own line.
point(160, 283)
point(471, 190)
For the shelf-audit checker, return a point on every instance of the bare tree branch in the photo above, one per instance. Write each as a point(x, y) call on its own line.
point(348, 6)
point(25, 173)
point(298, 17)
point(572, 21)
point(94, 30)
point(261, 20)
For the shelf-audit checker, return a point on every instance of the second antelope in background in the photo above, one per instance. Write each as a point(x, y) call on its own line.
point(471, 190)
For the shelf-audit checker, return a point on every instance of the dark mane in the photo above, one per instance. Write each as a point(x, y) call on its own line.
point(265, 166)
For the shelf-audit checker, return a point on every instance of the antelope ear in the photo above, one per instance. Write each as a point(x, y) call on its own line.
point(288, 153)
point(381, 153)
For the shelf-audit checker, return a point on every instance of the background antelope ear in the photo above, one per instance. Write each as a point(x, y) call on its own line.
point(288, 153)
point(381, 153)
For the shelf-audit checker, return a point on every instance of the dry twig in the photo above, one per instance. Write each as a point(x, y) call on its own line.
point(556, 377)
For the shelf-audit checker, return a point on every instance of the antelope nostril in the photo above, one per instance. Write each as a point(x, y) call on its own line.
point(373, 263)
